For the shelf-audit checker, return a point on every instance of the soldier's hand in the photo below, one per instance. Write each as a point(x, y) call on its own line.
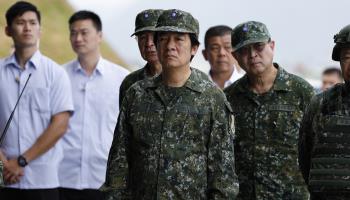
point(12, 172)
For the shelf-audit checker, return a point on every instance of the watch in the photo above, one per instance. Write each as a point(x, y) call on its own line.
point(21, 160)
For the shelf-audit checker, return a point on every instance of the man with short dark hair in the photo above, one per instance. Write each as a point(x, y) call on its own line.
point(224, 69)
point(268, 104)
point(174, 134)
point(42, 115)
point(324, 154)
point(95, 85)
point(145, 23)
point(330, 77)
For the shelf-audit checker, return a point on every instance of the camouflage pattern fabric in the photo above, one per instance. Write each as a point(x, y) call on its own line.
point(1, 174)
point(248, 33)
point(177, 21)
point(173, 148)
point(324, 154)
point(146, 20)
point(130, 79)
point(267, 128)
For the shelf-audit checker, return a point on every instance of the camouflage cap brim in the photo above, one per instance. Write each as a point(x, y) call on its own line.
point(250, 41)
point(148, 28)
point(173, 29)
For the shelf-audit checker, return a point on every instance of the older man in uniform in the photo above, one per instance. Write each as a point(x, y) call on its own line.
point(268, 104)
point(145, 24)
point(174, 135)
point(324, 152)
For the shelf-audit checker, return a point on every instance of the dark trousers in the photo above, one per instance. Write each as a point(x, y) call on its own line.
point(29, 194)
point(86, 194)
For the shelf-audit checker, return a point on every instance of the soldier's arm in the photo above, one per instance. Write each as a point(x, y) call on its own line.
point(306, 137)
point(222, 180)
point(115, 186)
point(122, 90)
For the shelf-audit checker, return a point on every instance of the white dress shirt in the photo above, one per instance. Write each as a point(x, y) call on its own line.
point(234, 77)
point(90, 133)
point(48, 92)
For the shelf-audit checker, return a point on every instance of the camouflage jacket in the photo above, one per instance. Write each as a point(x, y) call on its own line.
point(177, 149)
point(267, 129)
point(323, 146)
point(131, 79)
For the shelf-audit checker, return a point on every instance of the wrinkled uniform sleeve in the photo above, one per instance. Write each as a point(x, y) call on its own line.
point(306, 136)
point(122, 91)
point(115, 186)
point(223, 182)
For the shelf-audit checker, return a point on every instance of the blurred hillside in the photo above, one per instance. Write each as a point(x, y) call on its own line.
point(54, 41)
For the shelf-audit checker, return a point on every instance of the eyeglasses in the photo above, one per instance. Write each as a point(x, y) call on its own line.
point(217, 48)
point(258, 47)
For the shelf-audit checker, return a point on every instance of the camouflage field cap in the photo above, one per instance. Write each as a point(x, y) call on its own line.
point(177, 21)
point(146, 20)
point(342, 39)
point(248, 33)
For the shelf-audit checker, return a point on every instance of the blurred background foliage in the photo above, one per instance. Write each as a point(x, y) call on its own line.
point(54, 41)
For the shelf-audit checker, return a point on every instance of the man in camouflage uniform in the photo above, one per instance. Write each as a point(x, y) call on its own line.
point(144, 31)
point(324, 152)
point(174, 136)
point(268, 105)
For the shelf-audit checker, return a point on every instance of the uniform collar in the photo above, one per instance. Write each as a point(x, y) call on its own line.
point(280, 83)
point(235, 75)
point(282, 79)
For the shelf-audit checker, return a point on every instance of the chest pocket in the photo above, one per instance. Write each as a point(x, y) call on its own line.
point(38, 100)
point(146, 123)
point(193, 120)
point(285, 121)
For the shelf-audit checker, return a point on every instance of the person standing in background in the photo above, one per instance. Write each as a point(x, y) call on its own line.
point(95, 84)
point(224, 69)
point(145, 24)
point(330, 77)
point(41, 118)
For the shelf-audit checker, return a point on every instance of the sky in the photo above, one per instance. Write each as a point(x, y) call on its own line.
point(303, 30)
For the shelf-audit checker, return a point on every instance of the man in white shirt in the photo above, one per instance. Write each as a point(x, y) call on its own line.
point(224, 69)
point(95, 86)
point(41, 117)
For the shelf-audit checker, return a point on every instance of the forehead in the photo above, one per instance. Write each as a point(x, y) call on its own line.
point(170, 33)
point(28, 15)
point(145, 33)
point(82, 24)
point(226, 39)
